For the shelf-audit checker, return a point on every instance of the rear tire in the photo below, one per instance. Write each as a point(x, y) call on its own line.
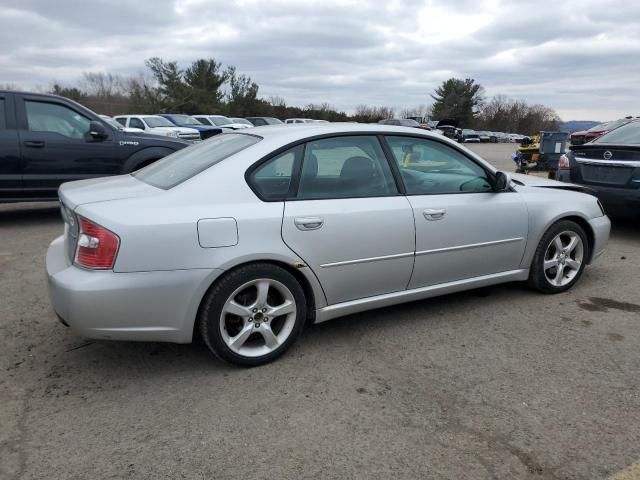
point(253, 314)
point(560, 258)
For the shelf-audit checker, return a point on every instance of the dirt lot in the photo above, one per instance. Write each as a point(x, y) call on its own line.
point(497, 383)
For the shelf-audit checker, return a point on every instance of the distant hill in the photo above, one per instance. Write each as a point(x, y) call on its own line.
point(577, 125)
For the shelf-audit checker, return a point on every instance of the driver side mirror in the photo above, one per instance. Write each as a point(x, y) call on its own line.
point(502, 182)
point(97, 131)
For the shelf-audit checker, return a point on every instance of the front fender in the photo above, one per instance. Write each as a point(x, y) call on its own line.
point(144, 156)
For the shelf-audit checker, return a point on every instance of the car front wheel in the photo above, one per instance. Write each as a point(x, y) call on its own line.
point(560, 258)
point(253, 314)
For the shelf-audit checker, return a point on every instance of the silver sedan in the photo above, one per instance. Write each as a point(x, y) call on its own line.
point(244, 238)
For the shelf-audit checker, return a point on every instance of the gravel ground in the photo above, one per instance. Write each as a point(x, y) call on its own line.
point(494, 383)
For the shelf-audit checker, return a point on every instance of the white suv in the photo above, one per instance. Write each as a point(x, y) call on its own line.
point(157, 125)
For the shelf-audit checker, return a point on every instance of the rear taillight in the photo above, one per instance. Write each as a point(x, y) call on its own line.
point(563, 162)
point(97, 247)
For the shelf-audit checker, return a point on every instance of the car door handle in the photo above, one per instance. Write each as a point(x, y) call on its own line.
point(34, 143)
point(308, 223)
point(434, 213)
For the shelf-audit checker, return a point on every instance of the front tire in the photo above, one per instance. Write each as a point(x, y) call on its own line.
point(253, 314)
point(560, 258)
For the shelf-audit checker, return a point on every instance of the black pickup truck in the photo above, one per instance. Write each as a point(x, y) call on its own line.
point(46, 140)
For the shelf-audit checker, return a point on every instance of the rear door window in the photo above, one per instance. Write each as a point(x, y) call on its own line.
point(272, 180)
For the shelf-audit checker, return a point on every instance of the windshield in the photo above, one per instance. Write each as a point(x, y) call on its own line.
point(468, 132)
point(157, 122)
point(185, 120)
point(188, 162)
point(628, 134)
point(220, 120)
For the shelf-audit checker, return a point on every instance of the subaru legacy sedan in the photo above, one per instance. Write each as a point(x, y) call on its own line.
point(246, 237)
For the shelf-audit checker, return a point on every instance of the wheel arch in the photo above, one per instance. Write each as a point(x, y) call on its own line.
point(309, 292)
point(588, 230)
point(144, 157)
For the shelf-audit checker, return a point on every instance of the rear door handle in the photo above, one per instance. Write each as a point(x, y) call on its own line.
point(34, 143)
point(308, 223)
point(434, 213)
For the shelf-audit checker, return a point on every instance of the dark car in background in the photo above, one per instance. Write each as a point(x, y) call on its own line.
point(46, 140)
point(182, 120)
point(470, 136)
point(262, 121)
point(610, 165)
point(585, 136)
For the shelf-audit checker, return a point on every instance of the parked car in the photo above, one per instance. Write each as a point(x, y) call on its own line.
point(188, 121)
point(220, 121)
point(243, 121)
point(610, 165)
point(448, 131)
point(246, 237)
point(585, 136)
point(115, 124)
point(290, 121)
point(403, 122)
point(502, 137)
point(470, 136)
point(484, 136)
point(155, 125)
point(262, 121)
point(46, 140)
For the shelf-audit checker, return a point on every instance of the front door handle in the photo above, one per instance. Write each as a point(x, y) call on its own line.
point(434, 213)
point(308, 223)
point(34, 143)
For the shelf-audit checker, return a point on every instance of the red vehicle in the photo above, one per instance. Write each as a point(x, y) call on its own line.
point(584, 136)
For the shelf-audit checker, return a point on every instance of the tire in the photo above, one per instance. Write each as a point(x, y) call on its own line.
point(564, 261)
point(239, 322)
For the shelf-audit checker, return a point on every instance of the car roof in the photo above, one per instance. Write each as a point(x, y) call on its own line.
point(312, 129)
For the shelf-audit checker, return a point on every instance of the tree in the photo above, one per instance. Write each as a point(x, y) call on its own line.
point(204, 79)
point(175, 94)
point(242, 97)
point(458, 100)
point(504, 114)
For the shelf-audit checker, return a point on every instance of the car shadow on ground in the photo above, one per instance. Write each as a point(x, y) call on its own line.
point(102, 358)
point(20, 215)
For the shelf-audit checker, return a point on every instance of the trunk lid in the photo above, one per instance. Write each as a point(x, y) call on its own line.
point(95, 190)
point(611, 165)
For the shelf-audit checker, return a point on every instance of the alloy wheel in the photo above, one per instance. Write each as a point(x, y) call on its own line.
point(563, 258)
point(258, 317)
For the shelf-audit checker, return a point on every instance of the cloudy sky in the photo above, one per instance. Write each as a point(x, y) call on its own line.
point(580, 57)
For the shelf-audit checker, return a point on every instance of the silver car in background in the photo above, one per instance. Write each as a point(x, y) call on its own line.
point(247, 236)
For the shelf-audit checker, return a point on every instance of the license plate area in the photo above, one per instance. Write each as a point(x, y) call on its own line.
point(606, 174)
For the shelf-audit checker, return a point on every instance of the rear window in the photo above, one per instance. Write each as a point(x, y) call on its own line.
point(186, 163)
point(628, 134)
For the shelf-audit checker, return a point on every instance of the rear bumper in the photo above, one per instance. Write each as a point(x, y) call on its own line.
point(619, 201)
point(601, 227)
point(150, 306)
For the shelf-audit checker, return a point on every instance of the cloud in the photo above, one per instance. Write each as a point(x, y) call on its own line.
point(577, 57)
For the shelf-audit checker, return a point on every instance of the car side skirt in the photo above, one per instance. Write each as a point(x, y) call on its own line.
point(389, 299)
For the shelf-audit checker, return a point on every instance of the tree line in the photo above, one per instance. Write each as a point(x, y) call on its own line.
point(207, 86)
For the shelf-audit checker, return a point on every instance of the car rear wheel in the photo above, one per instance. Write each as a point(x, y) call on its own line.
point(253, 314)
point(560, 258)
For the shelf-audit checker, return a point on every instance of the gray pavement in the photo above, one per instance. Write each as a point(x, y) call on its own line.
point(498, 383)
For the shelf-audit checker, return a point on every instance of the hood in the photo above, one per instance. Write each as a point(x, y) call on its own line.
point(540, 182)
point(74, 194)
